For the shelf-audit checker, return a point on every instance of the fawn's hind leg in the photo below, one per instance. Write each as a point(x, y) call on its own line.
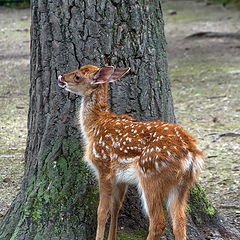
point(154, 204)
point(177, 201)
point(118, 194)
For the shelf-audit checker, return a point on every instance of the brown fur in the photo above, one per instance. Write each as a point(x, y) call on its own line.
point(161, 158)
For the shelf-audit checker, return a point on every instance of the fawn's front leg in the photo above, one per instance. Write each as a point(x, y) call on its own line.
point(118, 195)
point(105, 190)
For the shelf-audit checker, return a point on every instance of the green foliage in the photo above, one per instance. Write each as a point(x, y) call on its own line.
point(128, 235)
point(131, 235)
point(15, 3)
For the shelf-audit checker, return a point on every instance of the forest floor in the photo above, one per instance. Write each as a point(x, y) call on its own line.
point(205, 76)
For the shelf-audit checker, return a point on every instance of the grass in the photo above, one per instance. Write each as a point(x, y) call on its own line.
point(128, 235)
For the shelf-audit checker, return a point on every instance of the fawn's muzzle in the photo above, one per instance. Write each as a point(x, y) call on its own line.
point(60, 82)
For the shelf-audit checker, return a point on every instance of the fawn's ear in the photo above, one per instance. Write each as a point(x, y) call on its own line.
point(109, 74)
point(103, 75)
point(118, 73)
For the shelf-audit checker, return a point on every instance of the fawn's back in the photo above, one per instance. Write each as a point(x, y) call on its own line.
point(127, 148)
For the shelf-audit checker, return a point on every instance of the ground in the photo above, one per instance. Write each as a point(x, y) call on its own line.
point(205, 78)
point(14, 85)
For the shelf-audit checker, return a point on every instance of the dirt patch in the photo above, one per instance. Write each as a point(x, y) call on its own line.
point(14, 85)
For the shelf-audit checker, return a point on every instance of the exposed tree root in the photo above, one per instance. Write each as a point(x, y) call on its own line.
point(214, 35)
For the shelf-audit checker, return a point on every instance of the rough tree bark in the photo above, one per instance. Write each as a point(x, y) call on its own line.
point(58, 197)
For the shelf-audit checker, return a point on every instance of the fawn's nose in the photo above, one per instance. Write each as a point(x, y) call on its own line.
point(60, 78)
point(61, 82)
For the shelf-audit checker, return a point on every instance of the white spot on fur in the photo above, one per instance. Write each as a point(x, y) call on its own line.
point(96, 132)
point(127, 160)
point(95, 154)
point(145, 160)
point(141, 141)
point(177, 132)
point(157, 165)
point(166, 128)
point(116, 144)
point(113, 156)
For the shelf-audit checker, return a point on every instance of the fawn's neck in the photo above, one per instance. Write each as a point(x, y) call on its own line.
point(92, 107)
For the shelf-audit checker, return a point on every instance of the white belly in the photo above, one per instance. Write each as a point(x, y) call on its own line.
point(128, 175)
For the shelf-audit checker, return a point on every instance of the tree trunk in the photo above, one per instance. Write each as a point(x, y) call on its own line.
point(58, 197)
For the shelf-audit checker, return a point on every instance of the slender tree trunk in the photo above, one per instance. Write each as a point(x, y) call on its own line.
point(58, 197)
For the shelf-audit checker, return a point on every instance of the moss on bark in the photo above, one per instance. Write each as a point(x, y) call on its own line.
point(56, 200)
point(200, 207)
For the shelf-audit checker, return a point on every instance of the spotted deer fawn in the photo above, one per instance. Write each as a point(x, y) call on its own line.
point(160, 158)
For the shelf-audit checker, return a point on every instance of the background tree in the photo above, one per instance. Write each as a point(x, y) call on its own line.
point(58, 197)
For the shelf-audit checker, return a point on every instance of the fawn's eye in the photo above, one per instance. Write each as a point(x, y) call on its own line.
point(77, 78)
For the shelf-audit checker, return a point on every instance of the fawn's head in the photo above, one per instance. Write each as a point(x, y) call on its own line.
point(86, 79)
